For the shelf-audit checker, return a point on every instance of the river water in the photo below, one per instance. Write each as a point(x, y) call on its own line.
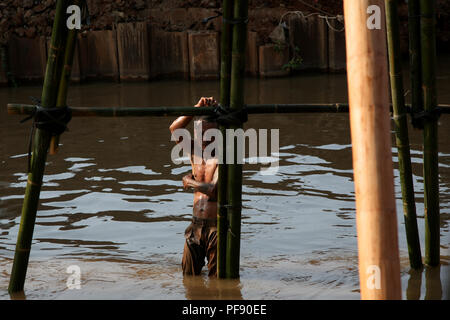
point(113, 203)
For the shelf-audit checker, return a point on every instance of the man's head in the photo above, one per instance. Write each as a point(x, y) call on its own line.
point(208, 122)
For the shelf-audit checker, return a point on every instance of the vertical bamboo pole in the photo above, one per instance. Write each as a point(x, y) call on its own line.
point(415, 59)
point(225, 82)
point(40, 147)
point(61, 100)
point(235, 169)
point(401, 132)
point(430, 132)
point(379, 266)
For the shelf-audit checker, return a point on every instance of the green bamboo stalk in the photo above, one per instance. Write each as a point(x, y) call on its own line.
point(40, 147)
point(235, 169)
point(26, 109)
point(401, 133)
point(430, 132)
point(415, 58)
point(225, 82)
point(61, 100)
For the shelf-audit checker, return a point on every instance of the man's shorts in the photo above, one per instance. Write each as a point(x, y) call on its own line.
point(201, 243)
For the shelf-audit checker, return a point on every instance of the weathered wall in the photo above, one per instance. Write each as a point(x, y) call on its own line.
point(112, 47)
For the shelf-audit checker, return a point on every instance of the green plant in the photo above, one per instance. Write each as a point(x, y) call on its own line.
point(296, 61)
point(279, 47)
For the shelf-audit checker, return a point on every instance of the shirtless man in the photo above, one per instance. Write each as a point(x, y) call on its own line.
point(201, 235)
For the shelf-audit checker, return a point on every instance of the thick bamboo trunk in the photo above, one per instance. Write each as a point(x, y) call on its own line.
point(235, 169)
point(225, 82)
point(379, 266)
point(401, 133)
point(430, 132)
point(40, 148)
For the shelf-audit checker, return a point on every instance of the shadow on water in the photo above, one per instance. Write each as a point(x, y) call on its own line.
point(414, 285)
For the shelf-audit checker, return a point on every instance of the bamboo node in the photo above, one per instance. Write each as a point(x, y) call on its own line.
point(399, 116)
point(34, 183)
point(231, 232)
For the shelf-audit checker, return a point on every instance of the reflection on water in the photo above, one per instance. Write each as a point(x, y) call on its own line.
point(201, 288)
point(113, 203)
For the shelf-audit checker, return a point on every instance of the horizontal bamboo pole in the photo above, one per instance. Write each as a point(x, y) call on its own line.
point(25, 109)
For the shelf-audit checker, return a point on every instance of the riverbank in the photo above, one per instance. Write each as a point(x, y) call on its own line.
point(148, 40)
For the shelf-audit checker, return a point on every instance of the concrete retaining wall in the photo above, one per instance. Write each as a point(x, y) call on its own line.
point(310, 36)
point(204, 58)
point(133, 51)
point(28, 58)
point(272, 58)
point(3, 76)
point(252, 54)
point(139, 51)
point(336, 48)
point(169, 54)
point(102, 62)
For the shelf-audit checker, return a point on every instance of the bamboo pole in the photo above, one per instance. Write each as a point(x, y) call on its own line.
point(401, 133)
point(430, 132)
point(61, 100)
point(225, 82)
point(415, 59)
point(40, 147)
point(26, 109)
point(235, 169)
point(376, 221)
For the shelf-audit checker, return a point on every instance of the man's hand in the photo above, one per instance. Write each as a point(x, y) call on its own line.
point(186, 180)
point(206, 102)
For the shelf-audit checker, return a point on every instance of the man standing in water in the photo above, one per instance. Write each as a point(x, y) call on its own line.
point(201, 235)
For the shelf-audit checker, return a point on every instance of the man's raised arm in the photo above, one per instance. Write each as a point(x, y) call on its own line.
point(183, 121)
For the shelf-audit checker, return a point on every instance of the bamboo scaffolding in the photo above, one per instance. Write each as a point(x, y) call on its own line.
point(225, 83)
point(26, 109)
point(401, 133)
point(430, 132)
point(415, 59)
point(235, 170)
point(376, 220)
point(40, 148)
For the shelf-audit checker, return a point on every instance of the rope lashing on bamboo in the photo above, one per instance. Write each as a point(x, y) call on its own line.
point(418, 118)
point(224, 116)
point(53, 120)
point(206, 20)
point(235, 20)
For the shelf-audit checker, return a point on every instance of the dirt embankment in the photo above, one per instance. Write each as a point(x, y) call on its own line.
point(30, 18)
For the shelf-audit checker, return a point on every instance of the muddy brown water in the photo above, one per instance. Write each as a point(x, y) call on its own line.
point(113, 203)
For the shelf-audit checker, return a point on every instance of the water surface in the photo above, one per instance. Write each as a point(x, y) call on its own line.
point(113, 203)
